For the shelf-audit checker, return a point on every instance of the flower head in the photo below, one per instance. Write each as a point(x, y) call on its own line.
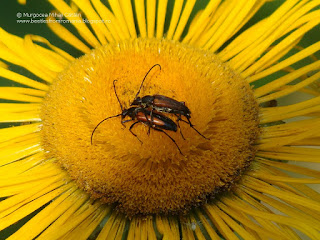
point(206, 153)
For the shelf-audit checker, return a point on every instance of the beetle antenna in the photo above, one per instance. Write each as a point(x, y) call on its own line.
point(115, 91)
point(146, 77)
point(100, 123)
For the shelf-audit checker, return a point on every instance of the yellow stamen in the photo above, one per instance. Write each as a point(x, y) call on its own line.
point(219, 116)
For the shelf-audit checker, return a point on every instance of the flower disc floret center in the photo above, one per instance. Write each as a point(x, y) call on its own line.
point(152, 177)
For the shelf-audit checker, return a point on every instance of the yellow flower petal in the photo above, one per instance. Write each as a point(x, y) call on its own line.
point(162, 6)
point(140, 8)
point(67, 36)
point(128, 16)
point(183, 19)
point(22, 79)
point(175, 18)
point(77, 22)
point(117, 11)
point(7, 134)
point(97, 25)
point(112, 23)
point(151, 13)
point(210, 9)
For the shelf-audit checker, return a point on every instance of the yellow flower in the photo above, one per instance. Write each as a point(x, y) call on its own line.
point(235, 166)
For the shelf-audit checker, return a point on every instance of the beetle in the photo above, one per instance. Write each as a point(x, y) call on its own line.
point(157, 121)
point(164, 104)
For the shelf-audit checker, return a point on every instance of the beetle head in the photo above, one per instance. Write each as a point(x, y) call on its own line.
point(137, 101)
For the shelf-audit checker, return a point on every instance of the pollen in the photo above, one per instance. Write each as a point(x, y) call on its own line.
point(141, 170)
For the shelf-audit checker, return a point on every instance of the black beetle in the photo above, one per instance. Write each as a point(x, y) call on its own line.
point(157, 121)
point(165, 104)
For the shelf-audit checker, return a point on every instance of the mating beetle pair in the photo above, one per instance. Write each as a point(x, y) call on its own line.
point(148, 110)
point(165, 104)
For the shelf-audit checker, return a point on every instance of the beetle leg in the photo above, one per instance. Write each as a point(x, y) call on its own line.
point(191, 125)
point(124, 121)
point(151, 116)
point(160, 130)
point(179, 118)
point(183, 121)
point(149, 123)
point(130, 129)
